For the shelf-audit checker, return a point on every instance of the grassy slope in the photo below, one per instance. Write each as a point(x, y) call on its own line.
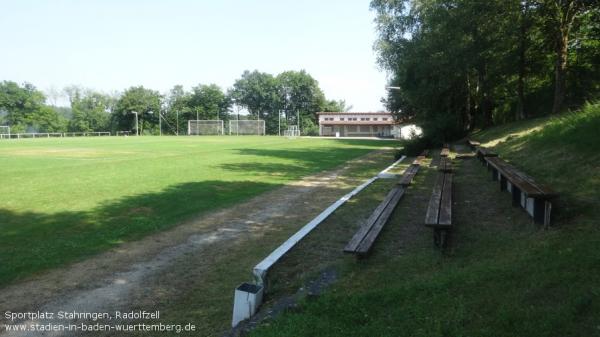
point(63, 199)
point(503, 276)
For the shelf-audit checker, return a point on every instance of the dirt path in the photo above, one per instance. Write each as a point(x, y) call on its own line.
point(123, 277)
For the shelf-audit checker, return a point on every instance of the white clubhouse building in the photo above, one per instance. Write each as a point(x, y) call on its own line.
point(356, 124)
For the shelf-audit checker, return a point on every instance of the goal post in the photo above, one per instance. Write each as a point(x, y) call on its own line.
point(205, 127)
point(292, 132)
point(5, 130)
point(247, 127)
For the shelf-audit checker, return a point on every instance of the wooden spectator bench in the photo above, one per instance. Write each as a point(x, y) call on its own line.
point(439, 210)
point(409, 174)
point(483, 152)
point(534, 197)
point(363, 240)
point(445, 164)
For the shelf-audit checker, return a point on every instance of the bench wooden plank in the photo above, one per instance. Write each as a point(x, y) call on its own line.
point(433, 210)
point(445, 164)
point(381, 214)
point(366, 227)
point(483, 152)
point(445, 218)
point(367, 243)
point(524, 182)
point(409, 174)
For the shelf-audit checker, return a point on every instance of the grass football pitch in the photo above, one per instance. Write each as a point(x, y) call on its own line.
point(64, 199)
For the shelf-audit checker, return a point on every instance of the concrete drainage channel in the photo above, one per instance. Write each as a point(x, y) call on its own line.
point(248, 297)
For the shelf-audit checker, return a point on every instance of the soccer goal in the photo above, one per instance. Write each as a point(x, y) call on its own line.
point(205, 127)
point(292, 132)
point(247, 127)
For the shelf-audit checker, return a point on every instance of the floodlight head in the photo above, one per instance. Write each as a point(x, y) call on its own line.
point(392, 88)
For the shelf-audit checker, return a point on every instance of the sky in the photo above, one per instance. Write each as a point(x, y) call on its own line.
point(110, 45)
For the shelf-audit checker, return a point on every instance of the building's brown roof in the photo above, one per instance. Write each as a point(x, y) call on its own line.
point(353, 113)
point(357, 122)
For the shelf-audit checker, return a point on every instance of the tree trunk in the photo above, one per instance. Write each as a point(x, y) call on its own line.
point(560, 70)
point(486, 103)
point(520, 113)
point(469, 120)
point(568, 11)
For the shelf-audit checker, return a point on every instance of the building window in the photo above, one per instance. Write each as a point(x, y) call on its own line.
point(365, 128)
point(375, 119)
point(341, 118)
point(385, 118)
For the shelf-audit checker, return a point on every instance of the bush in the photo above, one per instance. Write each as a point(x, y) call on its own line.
point(414, 147)
point(309, 128)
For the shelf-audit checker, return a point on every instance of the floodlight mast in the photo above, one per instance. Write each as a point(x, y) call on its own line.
point(237, 108)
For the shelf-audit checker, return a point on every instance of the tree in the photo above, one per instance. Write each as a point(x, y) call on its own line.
point(258, 93)
point(301, 96)
point(462, 63)
point(147, 103)
point(24, 109)
point(208, 102)
point(90, 110)
point(176, 109)
point(336, 106)
point(562, 17)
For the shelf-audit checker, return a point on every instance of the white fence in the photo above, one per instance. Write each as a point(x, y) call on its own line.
point(52, 135)
point(86, 134)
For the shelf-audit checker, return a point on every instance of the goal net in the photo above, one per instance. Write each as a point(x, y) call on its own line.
point(205, 127)
point(247, 127)
point(292, 132)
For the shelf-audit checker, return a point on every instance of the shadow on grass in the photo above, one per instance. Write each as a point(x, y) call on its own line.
point(31, 242)
point(271, 169)
point(310, 160)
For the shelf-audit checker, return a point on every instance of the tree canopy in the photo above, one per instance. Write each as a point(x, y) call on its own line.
point(459, 64)
point(278, 99)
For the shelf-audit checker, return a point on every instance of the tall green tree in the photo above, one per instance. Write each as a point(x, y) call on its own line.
point(146, 103)
point(462, 63)
point(177, 110)
point(562, 19)
point(23, 108)
point(258, 93)
point(91, 110)
point(208, 102)
point(301, 96)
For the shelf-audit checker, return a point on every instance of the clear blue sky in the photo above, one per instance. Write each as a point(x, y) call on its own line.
point(110, 45)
